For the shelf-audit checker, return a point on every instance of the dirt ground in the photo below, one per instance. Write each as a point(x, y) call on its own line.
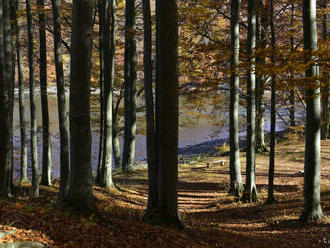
point(212, 218)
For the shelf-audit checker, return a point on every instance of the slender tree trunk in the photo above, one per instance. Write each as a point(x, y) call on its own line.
point(250, 193)
point(292, 91)
point(130, 86)
point(81, 195)
point(6, 90)
point(108, 43)
point(271, 198)
point(236, 184)
point(152, 205)
point(21, 79)
point(326, 91)
point(46, 147)
point(34, 150)
point(62, 105)
point(312, 175)
point(167, 110)
point(101, 51)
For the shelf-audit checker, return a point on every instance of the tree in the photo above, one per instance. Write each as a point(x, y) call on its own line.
point(312, 176)
point(61, 105)
point(34, 149)
point(80, 194)
point(130, 86)
point(6, 91)
point(152, 206)
point(21, 79)
point(236, 184)
point(250, 193)
point(46, 147)
point(271, 198)
point(108, 47)
point(167, 111)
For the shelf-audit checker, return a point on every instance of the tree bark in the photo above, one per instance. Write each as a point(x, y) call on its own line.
point(130, 86)
point(167, 110)
point(81, 195)
point(34, 149)
point(292, 91)
point(61, 105)
point(250, 193)
point(152, 205)
point(312, 175)
point(236, 184)
point(46, 146)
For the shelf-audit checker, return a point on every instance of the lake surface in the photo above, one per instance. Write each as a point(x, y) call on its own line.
point(196, 126)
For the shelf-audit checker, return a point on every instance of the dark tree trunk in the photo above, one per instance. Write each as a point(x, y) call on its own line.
point(152, 206)
point(108, 10)
point(130, 86)
point(46, 147)
point(21, 79)
point(6, 91)
point(81, 194)
point(236, 184)
point(326, 91)
point(167, 110)
point(312, 175)
point(62, 105)
point(250, 192)
point(292, 94)
point(34, 150)
point(101, 51)
point(271, 198)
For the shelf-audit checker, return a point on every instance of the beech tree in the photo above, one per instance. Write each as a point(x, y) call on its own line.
point(312, 174)
point(80, 194)
point(236, 184)
point(129, 86)
point(61, 105)
point(46, 147)
point(33, 108)
point(250, 192)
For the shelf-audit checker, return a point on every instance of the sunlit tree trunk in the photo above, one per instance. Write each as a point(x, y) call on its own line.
point(21, 102)
point(46, 147)
point(292, 91)
point(250, 192)
point(130, 86)
point(61, 105)
point(34, 150)
point(152, 205)
point(108, 43)
point(312, 175)
point(81, 195)
point(236, 184)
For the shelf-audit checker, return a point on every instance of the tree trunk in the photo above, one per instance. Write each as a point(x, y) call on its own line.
point(271, 198)
point(130, 86)
point(81, 195)
point(21, 102)
point(46, 147)
point(236, 184)
point(312, 175)
point(167, 110)
point(62, 105)
point(292, 91)
point(34, 149)
point(108, 43)
point(250, 193)
point(6, 90)
point(152, 205)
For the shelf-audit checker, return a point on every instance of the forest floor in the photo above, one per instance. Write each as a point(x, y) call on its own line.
point(212, 218)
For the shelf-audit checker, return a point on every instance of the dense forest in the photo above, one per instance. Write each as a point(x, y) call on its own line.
point(134, 123)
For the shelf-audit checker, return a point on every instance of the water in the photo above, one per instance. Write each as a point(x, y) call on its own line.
point(194, 128)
